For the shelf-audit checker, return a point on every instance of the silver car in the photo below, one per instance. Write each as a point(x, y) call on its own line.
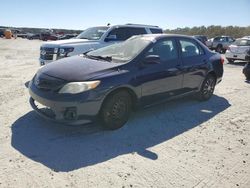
point(220, 44)
point(238, 50)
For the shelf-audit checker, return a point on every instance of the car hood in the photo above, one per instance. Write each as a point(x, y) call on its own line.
point(65, 42)
point(78, 68)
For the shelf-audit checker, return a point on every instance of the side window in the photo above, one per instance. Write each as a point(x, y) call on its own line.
point(165, 49)
point(190, 48)
point(137, 31)
point(223, 39)
point(230, 39)
point(216, 39)
point(120, 33)
point(155, 31)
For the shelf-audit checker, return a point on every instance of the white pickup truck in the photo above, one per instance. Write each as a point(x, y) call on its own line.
point(91, 39)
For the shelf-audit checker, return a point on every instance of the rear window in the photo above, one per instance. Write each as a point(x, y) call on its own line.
point(242, 42)
point(155, 30)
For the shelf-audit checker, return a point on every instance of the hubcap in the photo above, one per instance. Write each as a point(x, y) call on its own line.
point(119, 109)
point(208, 87)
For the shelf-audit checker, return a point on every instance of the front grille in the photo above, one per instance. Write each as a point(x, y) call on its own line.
point(48, 83)
point(47, 53)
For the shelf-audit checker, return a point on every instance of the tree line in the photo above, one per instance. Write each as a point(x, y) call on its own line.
point(212, 31)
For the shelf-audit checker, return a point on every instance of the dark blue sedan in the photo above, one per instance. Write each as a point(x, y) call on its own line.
point(108, 83)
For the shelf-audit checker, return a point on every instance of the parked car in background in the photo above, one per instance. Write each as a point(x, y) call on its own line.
point(67, 36)
point(23, 35)
point(33, 36)
point(201, 38)
point(239, 50)
point(48, 36)
point(2, 32)
point(220, 44)
point(91, 39)
point(109, 82)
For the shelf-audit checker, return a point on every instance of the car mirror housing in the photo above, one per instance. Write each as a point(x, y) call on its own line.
point(111, 38)
point(152, 59)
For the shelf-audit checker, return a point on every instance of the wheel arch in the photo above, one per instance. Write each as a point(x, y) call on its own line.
point(128, 89)
point(212, 73)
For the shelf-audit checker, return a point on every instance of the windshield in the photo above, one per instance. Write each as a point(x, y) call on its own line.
point(124, 51)
point(242, 42)
point(93, 33)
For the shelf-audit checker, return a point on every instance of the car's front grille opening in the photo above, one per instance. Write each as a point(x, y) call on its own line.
point(48, 83)
point(47, 53)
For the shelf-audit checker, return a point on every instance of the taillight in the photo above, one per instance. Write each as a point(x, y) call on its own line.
point(222, 60)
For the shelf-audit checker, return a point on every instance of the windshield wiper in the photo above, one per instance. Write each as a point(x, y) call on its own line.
point(105, 58)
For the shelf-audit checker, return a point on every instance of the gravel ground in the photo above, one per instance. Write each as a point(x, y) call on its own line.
point(183, 143)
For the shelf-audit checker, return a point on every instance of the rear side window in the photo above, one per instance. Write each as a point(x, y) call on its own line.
point(120, 33)
point(137, 31)
point(190, 48)
point(124, 33)
point(155, 30)
point(165, 49)
point(242, 42)
point(230, 39)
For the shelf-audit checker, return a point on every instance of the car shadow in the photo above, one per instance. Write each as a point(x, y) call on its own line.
point(66, 148)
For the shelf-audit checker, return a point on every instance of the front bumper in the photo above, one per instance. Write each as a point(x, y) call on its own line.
point(74, 109)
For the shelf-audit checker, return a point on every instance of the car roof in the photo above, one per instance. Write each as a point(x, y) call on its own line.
point(244, 38)
point(137, 26)
point(159, 36)
point(222, 36)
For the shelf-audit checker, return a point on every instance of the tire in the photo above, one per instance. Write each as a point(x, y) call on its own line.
point(230, 60)
point(207, 88)
point(246, 71)
point(219, 48)
point(115, 110)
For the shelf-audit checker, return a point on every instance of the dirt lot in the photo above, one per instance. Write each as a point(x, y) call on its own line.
point(182, 143)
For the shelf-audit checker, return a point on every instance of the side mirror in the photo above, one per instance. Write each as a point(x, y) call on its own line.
point(152, 59)
point(111, 38)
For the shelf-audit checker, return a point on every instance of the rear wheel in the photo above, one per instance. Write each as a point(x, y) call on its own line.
point(207, 88)
point(116, 110)
point(219, 49)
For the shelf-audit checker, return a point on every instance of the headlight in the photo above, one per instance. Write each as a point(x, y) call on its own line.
point(78, 87)
point(55, 50)
point(63, 52)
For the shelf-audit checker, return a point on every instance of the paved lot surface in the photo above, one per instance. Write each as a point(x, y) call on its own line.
point(182, 143)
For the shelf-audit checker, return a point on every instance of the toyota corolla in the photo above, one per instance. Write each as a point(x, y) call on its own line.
point(108, 83)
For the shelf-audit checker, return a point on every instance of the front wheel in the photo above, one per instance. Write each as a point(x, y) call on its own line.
point(207, 88)
point(116, 110)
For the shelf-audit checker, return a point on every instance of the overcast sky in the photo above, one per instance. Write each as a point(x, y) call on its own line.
point(80, 14)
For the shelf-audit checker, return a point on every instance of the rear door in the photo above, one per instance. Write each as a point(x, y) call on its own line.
point(194, 63)
point(165, 78)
